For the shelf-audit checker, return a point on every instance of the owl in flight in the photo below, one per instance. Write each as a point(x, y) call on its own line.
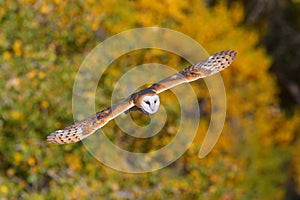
point(146, 100)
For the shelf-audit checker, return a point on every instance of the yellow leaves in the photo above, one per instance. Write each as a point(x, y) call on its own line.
point(35, 73)
point(156, 14)
point(146, 19)
point(16, 115)
point(17, 157)
point(29, 2)
point(45, 8)
point(17, 47)
point(95, 25)
point(2, 12)
point(73, 162)
point(45, 104)
point(237, 13)
point(41, 75)
point(7, 55)
point(32, 73)
point(31, 161)
point(58, 1)
point(3, 189)
point(288, 131)
point(79, 192)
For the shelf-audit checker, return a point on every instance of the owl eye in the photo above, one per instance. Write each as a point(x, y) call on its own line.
point(147, 102)
point(155, 101)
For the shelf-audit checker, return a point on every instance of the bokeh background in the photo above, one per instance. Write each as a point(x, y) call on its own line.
point(42, 45)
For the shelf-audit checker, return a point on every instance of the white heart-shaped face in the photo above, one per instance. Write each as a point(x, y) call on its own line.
point(150, 104)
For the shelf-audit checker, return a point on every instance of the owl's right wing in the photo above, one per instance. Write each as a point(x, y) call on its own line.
point(214, 64)
point(83, 129)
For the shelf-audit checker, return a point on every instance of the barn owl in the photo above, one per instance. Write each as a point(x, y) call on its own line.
point(146, 100)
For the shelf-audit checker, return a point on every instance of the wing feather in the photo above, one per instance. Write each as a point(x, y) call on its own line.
point(83, 129)
point(212, 65)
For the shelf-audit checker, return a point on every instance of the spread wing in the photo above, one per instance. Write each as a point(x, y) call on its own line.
point(83, 129)
point(214, 64)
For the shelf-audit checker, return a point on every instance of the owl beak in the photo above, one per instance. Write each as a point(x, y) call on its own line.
point(153, 110)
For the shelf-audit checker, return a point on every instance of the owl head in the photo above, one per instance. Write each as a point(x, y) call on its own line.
point(148, 101)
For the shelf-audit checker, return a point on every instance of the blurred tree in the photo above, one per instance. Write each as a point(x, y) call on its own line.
point(279, 25)
point(42, 46)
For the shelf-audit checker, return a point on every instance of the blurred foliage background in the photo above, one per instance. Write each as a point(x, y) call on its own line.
point(43, 43)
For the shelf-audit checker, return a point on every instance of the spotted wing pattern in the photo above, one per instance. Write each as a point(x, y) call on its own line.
point(83, 129)
point(214, 64)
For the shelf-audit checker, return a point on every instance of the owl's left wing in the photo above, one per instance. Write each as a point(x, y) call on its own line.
point(83, 129)
point(214, 64)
